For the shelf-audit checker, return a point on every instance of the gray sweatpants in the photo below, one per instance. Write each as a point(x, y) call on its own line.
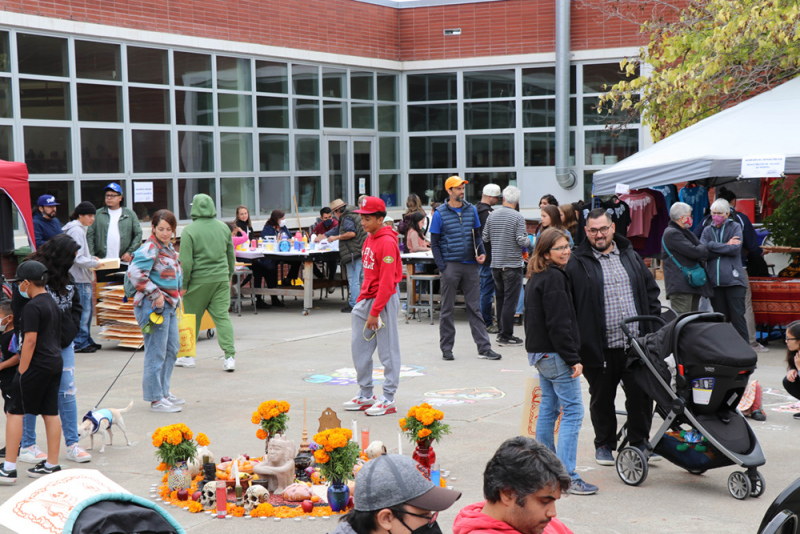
point(467, 275)
point(387, 341)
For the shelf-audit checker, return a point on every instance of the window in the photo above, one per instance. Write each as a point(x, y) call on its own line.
point(236, 192)
point(236, 152)
point(48, 150)
point(275, 193)
point(362, 85)
point(306, 152)
point(62, 190)
point(477, 180)
point(272, 112)
point(363, 116)
point(196, 151)
point(389, 152)
point(489, 115)
point(306, 114)
point(148, 105)
point(44, 100)
point(489, 84)
point(151, 151)
point(101, 151)
point(272, 77)
point(490, 150)
point(162, 196)
point(98, 61)
point(6, 143)
point(387, 87)
point(540, 149)
point(233, 73)
point(235, 110)
point(147, 65)
point(334, 83)
point(274, 152)
point(422, 87)
point(309, 193)
point(94, 191)
point(432, 117)
point(305, 80)
point(99, 103)
point(606, 148)
point(188, 188)
point(429, 187)
point(432, 152)
point(194, 108)
point(388, 119)
point(38, 54)
point(5, 53)
point(192, 70)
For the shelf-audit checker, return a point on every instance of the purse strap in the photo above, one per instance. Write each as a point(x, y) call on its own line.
point(670, 254)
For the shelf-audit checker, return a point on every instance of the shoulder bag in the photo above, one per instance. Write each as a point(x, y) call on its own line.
point(695, 276)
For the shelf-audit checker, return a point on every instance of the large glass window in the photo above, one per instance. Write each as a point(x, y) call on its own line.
point(433, 117)
point(161, 197)
point(389, 152)
point(607, 148)
point(275, 193)
point(44, 100)
point(272, 77)
point(309, 193)
point(306, 152)
point(6, 143)
point(48, 150)
point(38, 54)
point(99, 103)
point(334, 83)
point(305, 80)
point(236, 192)
point(540, 149)
point(306, 114)
point(94, 191)
point(363, 116)
point(235, 110)
point(362, 85)
point(541, 81)
point(233, 73)
point(477, 180)
point(5, 53)
point(389, 189)
point(387, 87)
point(194, 108)
point(429, 187)
point(236, 152)
point(192, 70)
point(98, 61)
point(489, 84)
point(490, 150)
point(489, 115)
point(272, 112)
point(432, 152)
point(147, 65)
point(388, 118)
point(151, 151)
point(101, 150)
point(600, 78)
point(274, 152)
point(334, 114)
point(62, 190)
point(196, 151)
point(188, 188)
point(541, 112)
point(148, 105)
point(441, 86)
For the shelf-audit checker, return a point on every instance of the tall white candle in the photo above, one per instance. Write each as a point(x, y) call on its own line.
point(355, 431)
point(399, 443)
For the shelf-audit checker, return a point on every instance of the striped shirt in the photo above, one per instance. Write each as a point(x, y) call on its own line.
point(505, 230)
point(618, 297)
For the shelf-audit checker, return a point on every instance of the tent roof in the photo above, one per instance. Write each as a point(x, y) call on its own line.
point(765, 125)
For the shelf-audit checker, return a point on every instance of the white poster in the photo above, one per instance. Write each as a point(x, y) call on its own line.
point(622, 189)
point(142, 192)
point(763, 166)
point(362, 186)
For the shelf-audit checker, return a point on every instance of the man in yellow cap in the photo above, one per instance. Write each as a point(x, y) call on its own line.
point(458, 254)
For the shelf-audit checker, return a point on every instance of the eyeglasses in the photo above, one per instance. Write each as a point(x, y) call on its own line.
point(431, 518)
point(594, 231)
point(791, 339)
point(112, 195)
point(559, 249)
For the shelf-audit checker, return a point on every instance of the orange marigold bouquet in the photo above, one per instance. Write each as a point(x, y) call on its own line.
point(337, 455)
point(174, 444)
point(272, 416)
point(423, 422)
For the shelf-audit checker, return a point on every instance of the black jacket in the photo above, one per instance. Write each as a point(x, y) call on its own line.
point(688, 251)
point(484, 210)
point(586, 278)
point(550, 321)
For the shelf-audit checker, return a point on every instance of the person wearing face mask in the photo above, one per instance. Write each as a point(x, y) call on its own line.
point(392, 496)
point(686, 249)
point(268, 269)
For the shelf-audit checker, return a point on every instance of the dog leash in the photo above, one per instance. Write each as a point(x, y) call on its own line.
point(120, 374)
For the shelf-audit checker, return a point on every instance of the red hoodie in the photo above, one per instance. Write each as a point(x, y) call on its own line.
point(382, 268)
point(472, 520)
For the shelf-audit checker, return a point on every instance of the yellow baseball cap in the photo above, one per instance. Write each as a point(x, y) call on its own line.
point(454, 181)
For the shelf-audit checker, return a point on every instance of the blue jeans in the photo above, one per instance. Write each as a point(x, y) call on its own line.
point(560, 393)
point(160, 350)
point(487, 294)
point(521, 301)
point(67, 405)
point(84, 337)
point(355, 274)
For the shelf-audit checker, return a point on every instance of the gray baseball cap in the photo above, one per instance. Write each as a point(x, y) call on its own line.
point(393, 479)
point(31, 270)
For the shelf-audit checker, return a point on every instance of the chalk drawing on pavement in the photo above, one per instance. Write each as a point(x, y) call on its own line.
point(442, 397)
point(346, 376)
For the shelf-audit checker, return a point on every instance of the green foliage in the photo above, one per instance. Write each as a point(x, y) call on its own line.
point(711, 55)
point(784, 222)
point(342, 460)
point(172, 454)
point(276, 425)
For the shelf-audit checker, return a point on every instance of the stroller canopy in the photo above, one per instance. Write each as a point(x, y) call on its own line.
point(702, 342)
point(117, 513)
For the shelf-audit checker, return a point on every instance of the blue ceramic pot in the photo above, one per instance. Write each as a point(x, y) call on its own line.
point(338, 496)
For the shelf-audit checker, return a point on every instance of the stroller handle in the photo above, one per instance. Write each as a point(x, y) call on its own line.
point(637, 318)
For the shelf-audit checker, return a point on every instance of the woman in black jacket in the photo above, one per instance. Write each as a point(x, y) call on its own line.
point(552, 341)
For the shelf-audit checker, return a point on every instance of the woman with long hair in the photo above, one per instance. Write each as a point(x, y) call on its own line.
point(268, 269)
point(243, 221)
point(413, 205)
point(548, 200)
point(551, 218)
point(58, 255)
point(791, 383)
point(569, 219)
point(80, 220)
point(156, 274)
point(552, 339)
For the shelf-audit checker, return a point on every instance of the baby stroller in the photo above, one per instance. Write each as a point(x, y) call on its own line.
point(696, 369)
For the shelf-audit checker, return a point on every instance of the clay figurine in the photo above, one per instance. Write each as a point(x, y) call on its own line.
point(277, 468)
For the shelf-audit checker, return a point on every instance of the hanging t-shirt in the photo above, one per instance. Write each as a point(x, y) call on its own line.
point(670, 193)
point(112, 240)
point(642, 210)
point(618, 210)
point(697, 198)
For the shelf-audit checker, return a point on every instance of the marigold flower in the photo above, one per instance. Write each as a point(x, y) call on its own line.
point(256, 418)
point(202, 439)
point(424, 433)
point(321, 456)
point(402, 423)
point(285, 406)
point(162, 466)
point(261, 434)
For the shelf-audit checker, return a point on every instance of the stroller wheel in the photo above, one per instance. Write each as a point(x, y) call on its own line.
point(739, 485)
point(757, 484)
point(631, 466)
point(697, 471)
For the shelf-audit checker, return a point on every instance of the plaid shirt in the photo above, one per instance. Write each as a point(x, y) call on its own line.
point(618, 297)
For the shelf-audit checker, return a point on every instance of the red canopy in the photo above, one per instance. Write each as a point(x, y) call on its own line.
point(14, 183)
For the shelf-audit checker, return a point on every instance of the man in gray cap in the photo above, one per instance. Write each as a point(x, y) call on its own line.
point(492, 196)
point(393, 495)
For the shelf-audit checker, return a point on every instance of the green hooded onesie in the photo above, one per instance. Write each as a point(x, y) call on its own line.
point(208, 263)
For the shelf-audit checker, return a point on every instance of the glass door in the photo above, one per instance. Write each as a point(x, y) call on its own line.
point(362, 167)
point(338, 165)
point(351, 167)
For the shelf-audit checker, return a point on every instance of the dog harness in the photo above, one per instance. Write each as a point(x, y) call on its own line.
point(97, 417)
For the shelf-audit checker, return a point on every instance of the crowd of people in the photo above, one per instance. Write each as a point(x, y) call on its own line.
point(583, 278)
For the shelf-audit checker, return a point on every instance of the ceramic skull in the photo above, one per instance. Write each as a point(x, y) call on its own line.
point(209, 496)
point(255, 495)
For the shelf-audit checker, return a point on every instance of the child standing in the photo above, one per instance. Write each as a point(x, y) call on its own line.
point(9, 359)
point(35, 385)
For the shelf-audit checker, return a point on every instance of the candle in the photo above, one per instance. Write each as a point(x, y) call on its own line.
point(355, 431)
point(399, 443)
point(365, 437)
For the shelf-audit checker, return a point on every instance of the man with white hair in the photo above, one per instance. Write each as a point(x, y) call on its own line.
point(505, 230)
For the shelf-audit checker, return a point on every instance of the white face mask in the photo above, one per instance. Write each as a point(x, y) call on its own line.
point(282, 223)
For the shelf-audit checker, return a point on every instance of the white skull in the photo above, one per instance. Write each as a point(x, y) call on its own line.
point(375, 449)
point(209, 496)
point(255, 495)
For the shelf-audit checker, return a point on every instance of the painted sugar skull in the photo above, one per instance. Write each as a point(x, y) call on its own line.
point(209, 496)
point(255, 495)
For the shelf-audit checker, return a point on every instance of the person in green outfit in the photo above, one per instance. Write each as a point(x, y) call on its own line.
point(208, 262)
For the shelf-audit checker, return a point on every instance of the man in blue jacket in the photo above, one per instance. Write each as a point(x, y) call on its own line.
point(45, 224)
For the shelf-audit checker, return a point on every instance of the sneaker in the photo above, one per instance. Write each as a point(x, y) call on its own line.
point(579, 487)
point(758, 347)
point(509, 341)
point(41, 470)
point(3, 452)
point(97, 346)
point(492, 329)
point(164, 407)
point(186, 361)
point(88, 349)
point(758, 415)
point(796, 415)
point(382, 408)
point(32, 455)
point(262, 305)
point(76, 453)
point(359, 403)
point(229, 364)
point(448, 355)
point(489, 355)
point(7, 477)
point(347, 309)
point(603, 456)
point(174, 401)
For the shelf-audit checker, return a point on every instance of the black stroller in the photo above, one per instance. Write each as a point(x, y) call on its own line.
point(696, 369)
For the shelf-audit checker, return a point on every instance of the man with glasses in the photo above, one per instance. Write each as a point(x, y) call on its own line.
point(609, 283)
point(116, 232)
point(45, 223)
point(393, 495)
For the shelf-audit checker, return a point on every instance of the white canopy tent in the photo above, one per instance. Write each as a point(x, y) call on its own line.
point(763, 126)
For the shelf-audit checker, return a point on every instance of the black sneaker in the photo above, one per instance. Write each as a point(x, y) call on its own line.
point(796, 416)
point(448, 355)
point(489, 355)
point(88, 349)
point(97, 346)
point(40, 470)
point(509, 341)
point(347, 309)
point(261, 305)
point(8, 477)
point(3, 452)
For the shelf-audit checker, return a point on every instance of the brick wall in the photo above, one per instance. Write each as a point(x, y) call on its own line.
point(350, 27)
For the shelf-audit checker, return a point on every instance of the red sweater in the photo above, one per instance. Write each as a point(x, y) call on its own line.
point(471, 519)
point(382, 268)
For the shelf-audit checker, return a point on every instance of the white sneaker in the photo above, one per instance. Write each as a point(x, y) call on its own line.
point(758, 347)
point(359, 403)
point(164, 406)
point(31, 455)
point(76, 453)
point(382, 408)
point(186, 361)
point(229, 364)
point(173, 400)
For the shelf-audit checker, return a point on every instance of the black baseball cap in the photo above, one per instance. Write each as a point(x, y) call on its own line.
point(32, 271)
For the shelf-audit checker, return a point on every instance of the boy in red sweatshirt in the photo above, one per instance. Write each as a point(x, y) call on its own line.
point(375, 312)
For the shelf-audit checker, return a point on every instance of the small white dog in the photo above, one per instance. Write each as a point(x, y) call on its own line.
point(100, 421)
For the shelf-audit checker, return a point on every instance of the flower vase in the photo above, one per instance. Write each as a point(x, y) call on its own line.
point(338, 496)
point(424, 454)
point(178, 476)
